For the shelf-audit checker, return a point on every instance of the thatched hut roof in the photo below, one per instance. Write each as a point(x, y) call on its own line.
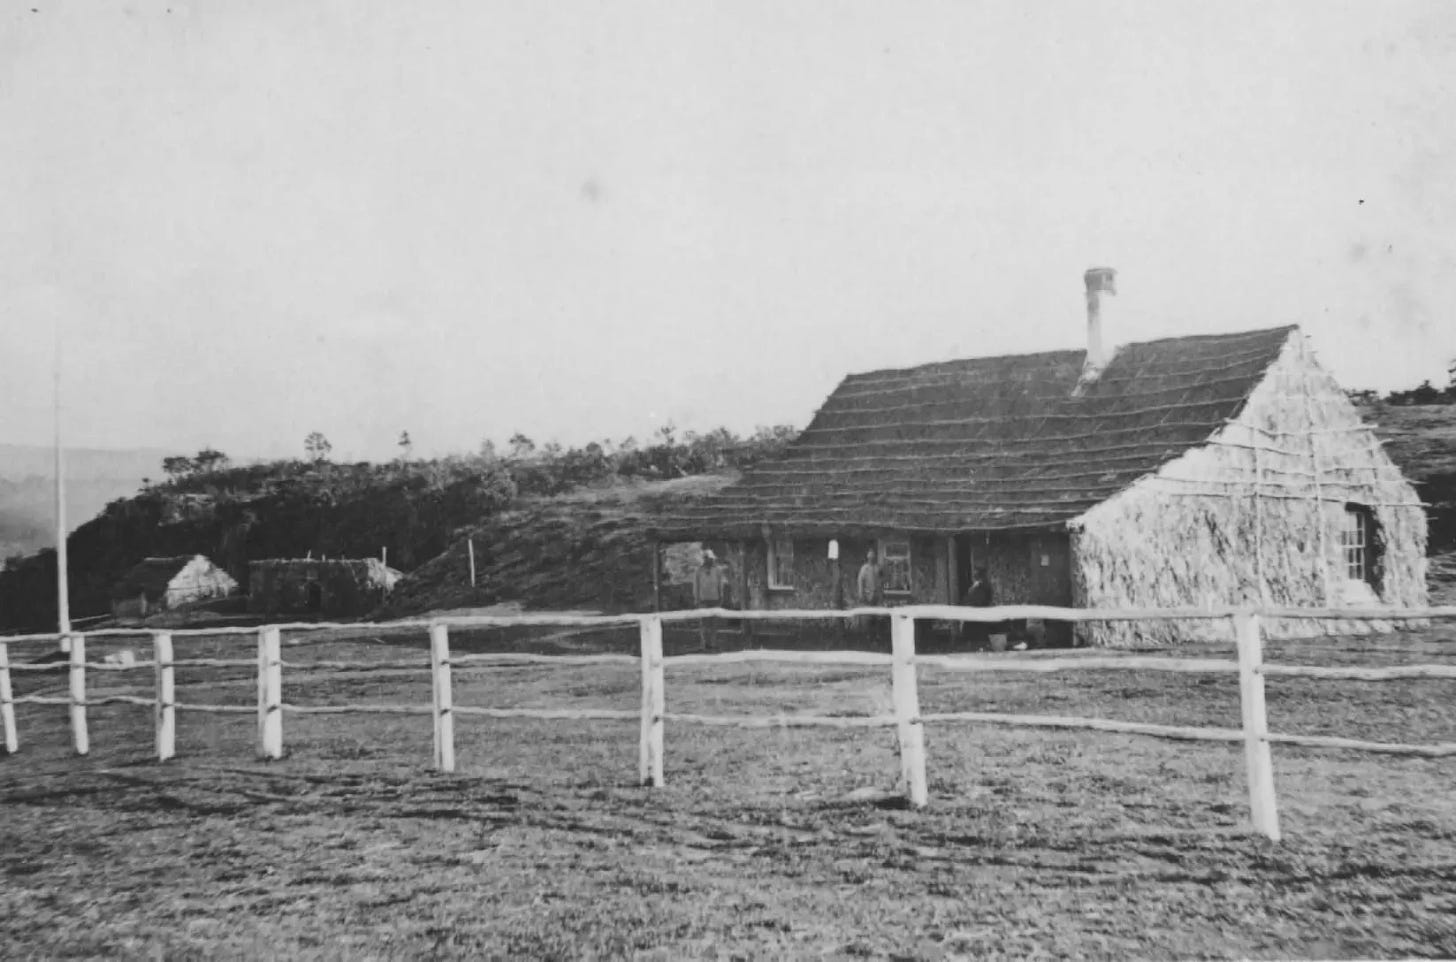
point(150, 577)
point(989, 443)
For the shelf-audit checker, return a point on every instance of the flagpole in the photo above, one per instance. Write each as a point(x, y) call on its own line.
point(63, 595)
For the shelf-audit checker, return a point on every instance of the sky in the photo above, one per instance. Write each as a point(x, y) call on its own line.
point(246, 221)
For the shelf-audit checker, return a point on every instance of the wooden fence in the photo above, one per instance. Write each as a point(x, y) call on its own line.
point(903, 662)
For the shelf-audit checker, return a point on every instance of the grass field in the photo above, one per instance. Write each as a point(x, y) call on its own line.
point(764, 844)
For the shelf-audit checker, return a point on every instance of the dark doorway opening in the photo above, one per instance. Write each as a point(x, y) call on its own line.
point(965, 558)
point(315, 596)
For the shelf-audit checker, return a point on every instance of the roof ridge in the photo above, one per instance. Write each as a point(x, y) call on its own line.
point(1069, 352)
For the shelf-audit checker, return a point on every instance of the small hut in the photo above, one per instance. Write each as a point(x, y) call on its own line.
point(1194, 471)
point(163, 584)
point(321, 586)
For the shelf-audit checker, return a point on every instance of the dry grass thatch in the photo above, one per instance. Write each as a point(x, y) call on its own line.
point(1255, 517)
point(989, 443)
point(154, 577)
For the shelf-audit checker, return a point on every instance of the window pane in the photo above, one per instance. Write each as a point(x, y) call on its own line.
point(895, 558)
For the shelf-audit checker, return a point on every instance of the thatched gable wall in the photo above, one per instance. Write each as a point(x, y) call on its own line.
point(988, 443)
point(1255, 517)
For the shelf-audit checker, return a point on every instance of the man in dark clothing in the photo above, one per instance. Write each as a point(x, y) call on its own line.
point(978, 595)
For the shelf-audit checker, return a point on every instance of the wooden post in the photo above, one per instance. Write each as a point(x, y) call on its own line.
point(654, 704)
point(1262, 803)
point(7, 703)
point(470, 544)
point(165, 713)
point(270, 694)
point(80, 738)
point(444, 753)
point(907, 710)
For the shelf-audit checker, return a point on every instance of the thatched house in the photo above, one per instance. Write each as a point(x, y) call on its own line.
point(1223, 469)
point(163, 584)
point(323, 586)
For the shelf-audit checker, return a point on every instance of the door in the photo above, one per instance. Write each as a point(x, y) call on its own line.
point(964, 567)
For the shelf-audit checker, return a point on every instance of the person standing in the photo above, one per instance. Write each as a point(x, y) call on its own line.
point(869, 589)
point(711, 587)
point(978, 595)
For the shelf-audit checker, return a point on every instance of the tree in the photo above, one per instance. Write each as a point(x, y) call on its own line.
point(522, 447)
point(406, 446)
point(178, 466)
point(317, 447)
point(210, 459)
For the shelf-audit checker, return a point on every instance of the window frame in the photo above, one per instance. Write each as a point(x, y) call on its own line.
point(1360, 544)
point(885, 565)
point(780, 550)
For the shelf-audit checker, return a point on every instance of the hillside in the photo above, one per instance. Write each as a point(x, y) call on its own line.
point(1421, 438)
point(411, 508)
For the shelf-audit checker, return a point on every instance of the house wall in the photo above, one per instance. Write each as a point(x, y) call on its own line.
point(1254, 517)
point(815, 584)
point(1014, 565)
point(129, 609)
point(345, 587)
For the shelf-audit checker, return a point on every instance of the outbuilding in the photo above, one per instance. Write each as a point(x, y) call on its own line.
point(163, 584)
point(320, 586)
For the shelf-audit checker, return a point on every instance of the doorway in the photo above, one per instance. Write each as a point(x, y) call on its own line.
point(965, 561)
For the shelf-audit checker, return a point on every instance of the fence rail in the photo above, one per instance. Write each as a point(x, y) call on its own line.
point(903, 661)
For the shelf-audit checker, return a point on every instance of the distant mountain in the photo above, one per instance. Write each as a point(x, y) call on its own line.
point(94, 478)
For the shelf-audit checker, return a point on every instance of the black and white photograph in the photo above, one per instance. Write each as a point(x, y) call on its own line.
point(727, 480)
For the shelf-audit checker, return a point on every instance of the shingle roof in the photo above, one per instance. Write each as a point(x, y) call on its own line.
point(989, 443)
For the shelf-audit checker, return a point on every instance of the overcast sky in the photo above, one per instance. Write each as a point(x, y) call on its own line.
point(578, 220)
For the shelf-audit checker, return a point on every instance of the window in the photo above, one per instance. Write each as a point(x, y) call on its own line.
point(780, 563)
point(1359, 542)
point(895, 567)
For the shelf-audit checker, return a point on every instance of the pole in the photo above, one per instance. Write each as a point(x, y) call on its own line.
point(7, 707)
point(165, 714)
point(1262, 804)
point(444, 698)
point(654, 704)
point(470, 544)
point(270, 694)
point(906, 697)
point(80, 736)
point(63, 595)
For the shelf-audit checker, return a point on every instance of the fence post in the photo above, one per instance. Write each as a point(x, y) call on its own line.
point(80, 738)
point(7, 702)
point(654, 704)
point(907, 709)
point(165, 713)
point(444, 698)
point(270, 694)
point(1262, 804)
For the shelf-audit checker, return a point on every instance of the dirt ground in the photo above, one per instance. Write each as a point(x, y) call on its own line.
point(775, 843)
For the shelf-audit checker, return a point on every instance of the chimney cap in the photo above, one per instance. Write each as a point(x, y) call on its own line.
point(1101, 279)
